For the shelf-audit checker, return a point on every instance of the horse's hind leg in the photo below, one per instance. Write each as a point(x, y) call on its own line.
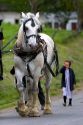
point(47, 109)
point(22, 108)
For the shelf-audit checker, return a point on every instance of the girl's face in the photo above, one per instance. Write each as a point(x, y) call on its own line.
point(66, 64)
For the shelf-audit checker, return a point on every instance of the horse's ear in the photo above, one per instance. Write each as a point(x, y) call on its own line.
point(23, 15)
point(37, 14)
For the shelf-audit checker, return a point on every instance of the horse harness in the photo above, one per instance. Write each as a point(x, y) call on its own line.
point(32, 35)
point(42, 47)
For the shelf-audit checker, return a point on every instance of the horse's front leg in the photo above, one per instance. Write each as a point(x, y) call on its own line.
point(47, 109)
point(36, 67)
point(28, 93)
point(21, 107)
point(35, 110)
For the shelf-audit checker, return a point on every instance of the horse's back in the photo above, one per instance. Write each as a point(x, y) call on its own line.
point(47, 39)
point(50, 45)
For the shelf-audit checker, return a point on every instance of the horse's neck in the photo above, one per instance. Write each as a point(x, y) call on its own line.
point(20, 38)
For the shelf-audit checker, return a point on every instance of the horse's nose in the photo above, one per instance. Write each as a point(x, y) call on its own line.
point(32, 46)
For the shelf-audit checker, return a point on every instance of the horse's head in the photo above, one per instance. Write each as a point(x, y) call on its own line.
point(30, 28)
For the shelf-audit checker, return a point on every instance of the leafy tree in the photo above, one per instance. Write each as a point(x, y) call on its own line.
point(14, 5)
point(78, 6)
point(35, 5)
point(44, 6)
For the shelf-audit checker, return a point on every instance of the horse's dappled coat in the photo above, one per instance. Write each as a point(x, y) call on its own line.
point(31, 51)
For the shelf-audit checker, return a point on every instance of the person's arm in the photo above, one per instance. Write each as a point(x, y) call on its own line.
point(62, 69)
point(73, 76)
point(74, 79)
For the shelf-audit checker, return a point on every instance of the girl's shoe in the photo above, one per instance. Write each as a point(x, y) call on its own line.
point(64, 104)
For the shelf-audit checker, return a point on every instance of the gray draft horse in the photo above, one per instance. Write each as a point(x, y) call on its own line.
point(35, 56)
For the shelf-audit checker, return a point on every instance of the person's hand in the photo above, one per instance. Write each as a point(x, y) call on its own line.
point(56, 73)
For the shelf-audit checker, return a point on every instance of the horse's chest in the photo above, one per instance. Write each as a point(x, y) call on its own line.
point(37, 63)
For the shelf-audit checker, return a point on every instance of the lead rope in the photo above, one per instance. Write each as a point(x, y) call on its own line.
point(45, 60)
point(57, 60)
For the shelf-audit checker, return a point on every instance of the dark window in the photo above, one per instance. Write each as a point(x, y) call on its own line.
point(56, 25)
point(63, 25)
point(16, 21)
point(74, 26)
point(82, 25)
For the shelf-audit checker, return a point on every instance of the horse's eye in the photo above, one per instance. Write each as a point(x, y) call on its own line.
point(39, 29)
point(26, 28)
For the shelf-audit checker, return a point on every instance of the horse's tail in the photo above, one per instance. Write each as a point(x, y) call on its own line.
point(56, 60)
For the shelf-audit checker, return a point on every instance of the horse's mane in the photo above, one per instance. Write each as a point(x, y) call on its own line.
point(30, 15)
point(20, 37)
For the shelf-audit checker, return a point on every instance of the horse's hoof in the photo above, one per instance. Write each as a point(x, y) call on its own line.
point(47, 111)
point(33, 113)
point(22, 113)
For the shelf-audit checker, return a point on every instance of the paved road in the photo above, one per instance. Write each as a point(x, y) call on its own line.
point(61, 115)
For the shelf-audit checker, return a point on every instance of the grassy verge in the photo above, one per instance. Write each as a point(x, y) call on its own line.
point(8, 93)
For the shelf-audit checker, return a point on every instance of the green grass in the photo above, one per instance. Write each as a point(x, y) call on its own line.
point(9, 31)
point(68, 48)
point(8, 93)
point(59, 36)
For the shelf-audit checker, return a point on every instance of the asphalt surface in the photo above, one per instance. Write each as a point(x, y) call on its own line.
point(61, 115)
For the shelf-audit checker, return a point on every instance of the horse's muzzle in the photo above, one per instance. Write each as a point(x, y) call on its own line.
point(33, 47)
